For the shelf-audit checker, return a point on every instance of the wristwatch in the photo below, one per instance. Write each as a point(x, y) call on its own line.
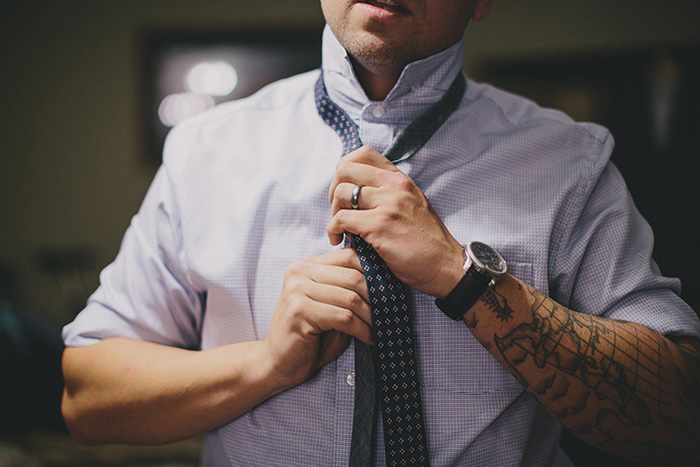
point(483, 266)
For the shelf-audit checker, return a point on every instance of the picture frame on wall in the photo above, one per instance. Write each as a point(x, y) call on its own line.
point(189, 72)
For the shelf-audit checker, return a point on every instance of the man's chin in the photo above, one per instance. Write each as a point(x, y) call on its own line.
point(377, 54)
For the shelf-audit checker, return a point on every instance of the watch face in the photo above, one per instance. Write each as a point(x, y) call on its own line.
point(487, 258)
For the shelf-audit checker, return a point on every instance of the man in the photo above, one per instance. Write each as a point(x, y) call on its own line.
point(229, 256)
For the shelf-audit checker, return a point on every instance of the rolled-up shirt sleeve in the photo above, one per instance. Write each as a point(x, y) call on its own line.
point(604, 264)
point(145, 293)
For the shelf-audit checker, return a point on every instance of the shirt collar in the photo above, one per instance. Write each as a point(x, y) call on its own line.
point(423, 81)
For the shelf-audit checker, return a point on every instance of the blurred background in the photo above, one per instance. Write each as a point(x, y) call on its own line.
point(88, 89)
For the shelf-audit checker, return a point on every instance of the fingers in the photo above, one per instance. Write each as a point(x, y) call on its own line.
point(363, 166)
point(342, 198)
point(330, 294)
point(344, 257)
point(381, 181)
point(325, 317)
point(349, 221)
point(323, 301)
point(347, 259)
point(397, 198)
point(340, 287)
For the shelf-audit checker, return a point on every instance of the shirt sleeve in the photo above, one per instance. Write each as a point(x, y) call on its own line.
point(605, 267)
point(145, 293)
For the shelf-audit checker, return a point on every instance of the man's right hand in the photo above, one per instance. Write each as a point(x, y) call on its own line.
point(323, 302)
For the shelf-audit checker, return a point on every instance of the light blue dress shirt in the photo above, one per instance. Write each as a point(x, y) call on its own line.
point(243, 192)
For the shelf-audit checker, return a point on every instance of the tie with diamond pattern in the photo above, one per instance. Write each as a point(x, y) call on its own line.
point(394, 356)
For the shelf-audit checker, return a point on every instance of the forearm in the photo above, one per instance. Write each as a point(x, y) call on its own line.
point(616, 385)
point(127, 391)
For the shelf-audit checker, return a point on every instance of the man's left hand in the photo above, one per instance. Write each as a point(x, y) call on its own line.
point(395, 217)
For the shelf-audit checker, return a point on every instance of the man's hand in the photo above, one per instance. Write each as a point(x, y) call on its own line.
point(395, 217)
point(131, 391)
point(323, 302)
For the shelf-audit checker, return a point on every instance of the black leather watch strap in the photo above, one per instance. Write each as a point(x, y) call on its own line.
point(464, 295)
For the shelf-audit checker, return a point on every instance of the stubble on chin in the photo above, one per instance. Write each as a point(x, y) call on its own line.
point(379, 56)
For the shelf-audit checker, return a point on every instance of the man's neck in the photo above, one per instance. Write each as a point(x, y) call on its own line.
point(377, 84)
point(352, 86)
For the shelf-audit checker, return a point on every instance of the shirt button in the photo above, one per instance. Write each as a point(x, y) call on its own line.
point(351, 379)
point(378, 111)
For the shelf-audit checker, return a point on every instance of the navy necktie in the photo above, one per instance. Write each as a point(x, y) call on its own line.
point(394, 354)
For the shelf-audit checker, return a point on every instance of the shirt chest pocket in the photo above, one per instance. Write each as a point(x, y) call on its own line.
point(451, 359)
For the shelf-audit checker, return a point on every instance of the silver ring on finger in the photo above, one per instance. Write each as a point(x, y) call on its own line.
point(355, 198)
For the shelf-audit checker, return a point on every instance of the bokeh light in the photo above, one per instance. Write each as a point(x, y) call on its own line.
point(177, 107)
point(213, 78)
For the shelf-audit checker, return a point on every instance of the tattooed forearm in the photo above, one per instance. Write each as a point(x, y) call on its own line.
point(617, 385)
point(498, 304)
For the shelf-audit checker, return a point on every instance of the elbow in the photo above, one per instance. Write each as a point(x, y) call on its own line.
point(74, 414)
point(77, 405)
point(77, 422)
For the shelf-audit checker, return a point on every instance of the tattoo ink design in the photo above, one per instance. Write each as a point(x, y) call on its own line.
point(597, 376)
point(690, 377)
point(498, 303)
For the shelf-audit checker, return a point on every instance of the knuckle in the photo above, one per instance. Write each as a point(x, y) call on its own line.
point(307, 329)
point(387, 216)
point(337, 193)
point(342, 165)
point(355, 277)
point(296, 305)
point(340, 217)
point(404, 184)
point(344, 317)
point(359, 152)
point(294, 287)
point(295, 269)
point(331, 228)
point(394, 179)
point(353, 300)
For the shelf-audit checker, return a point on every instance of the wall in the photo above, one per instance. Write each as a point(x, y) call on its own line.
point(71, 170)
